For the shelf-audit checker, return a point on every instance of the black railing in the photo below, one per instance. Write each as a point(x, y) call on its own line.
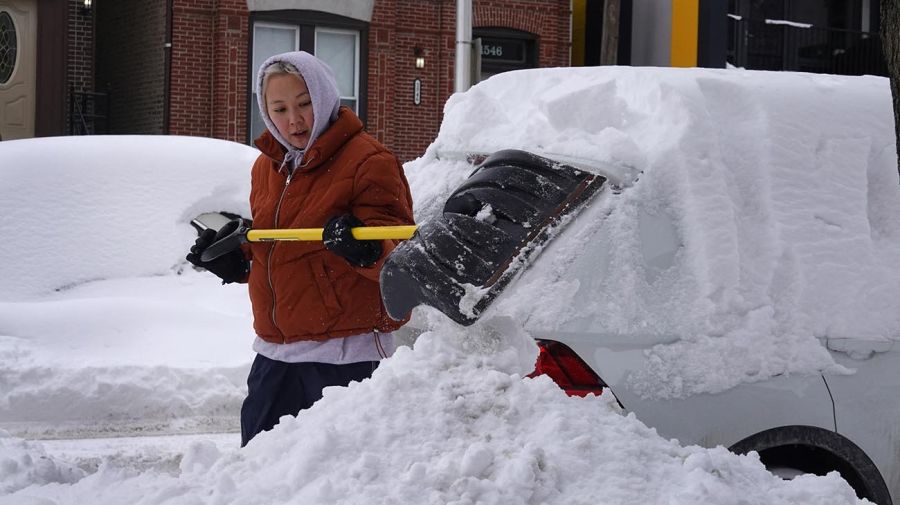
point(88, 112)
point(781, 45)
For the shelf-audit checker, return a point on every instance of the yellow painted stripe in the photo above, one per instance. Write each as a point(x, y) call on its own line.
point(579, 22)
point(685, 26)
point(361, 233)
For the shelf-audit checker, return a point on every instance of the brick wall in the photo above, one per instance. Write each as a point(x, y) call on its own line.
point(209, 65)
point(230, 72)
point(400, 26)
point(80, 57)
point(131, 63)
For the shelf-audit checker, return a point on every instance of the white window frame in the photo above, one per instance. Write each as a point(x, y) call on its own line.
point(356, 69)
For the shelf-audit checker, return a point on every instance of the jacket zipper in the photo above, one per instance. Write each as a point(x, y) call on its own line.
point(287, 182)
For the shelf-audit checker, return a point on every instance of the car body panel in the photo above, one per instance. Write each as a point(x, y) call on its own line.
point(708, 420)
point(873, 387)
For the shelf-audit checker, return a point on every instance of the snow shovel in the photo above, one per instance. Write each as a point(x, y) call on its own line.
point(493, 225)
point(243, 233)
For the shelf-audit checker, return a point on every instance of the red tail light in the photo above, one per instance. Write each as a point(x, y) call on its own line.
point(566, 369)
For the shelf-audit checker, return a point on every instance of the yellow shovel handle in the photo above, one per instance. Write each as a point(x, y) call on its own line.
point(359, 233)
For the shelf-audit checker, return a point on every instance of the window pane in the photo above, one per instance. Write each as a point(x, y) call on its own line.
point(8, 47)
point(338, 50)
point(256, 123)
point(269, 41)
point(349, 102)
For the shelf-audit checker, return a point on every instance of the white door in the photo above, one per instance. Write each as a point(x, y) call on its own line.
point(18, 56)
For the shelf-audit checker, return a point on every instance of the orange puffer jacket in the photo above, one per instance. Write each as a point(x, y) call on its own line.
point(300, 290)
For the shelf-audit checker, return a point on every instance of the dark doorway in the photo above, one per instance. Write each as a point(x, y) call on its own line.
point(504, 49)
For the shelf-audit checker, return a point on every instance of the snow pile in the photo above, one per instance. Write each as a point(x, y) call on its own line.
point(149, 355)
point(766, 215)
point(453, 421)
point(24, 463)
point(77, 209)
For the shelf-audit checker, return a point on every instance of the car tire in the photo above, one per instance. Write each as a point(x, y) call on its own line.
point(790, 450)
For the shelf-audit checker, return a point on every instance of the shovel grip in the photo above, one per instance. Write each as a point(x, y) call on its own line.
point(359, 233)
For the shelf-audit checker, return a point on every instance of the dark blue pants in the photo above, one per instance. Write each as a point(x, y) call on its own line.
point(275, 389)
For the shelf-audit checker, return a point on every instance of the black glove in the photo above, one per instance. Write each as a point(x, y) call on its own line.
point(230, 267)
point(339, 239)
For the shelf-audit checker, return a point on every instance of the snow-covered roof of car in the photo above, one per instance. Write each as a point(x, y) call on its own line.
point(765, 212)
point(121, 196)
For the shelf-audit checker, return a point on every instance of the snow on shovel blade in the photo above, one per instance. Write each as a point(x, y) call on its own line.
point(490, 227)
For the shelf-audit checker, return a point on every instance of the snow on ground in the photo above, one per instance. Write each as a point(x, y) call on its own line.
point(451, 421)
point(105, 332)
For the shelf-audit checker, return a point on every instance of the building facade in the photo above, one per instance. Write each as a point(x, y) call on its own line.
point(187, 67)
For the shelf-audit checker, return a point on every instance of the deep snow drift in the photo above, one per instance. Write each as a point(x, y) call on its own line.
point(449, 422)
point(108, 331)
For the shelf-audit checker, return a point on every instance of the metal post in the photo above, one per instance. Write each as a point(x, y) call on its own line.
point(476, 61)
point(463, 79)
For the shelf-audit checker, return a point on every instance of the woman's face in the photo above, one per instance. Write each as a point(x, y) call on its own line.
point(290, 108)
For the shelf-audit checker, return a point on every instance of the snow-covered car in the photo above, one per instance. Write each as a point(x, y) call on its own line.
point(131, 197)
point(122, 370)
point(97, 296)
point(740, 286)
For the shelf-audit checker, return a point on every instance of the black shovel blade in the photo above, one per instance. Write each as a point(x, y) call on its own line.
point(227, 239)
point(491, 226)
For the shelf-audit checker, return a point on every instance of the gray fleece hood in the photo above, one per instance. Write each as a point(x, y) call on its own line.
point(323, 91)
